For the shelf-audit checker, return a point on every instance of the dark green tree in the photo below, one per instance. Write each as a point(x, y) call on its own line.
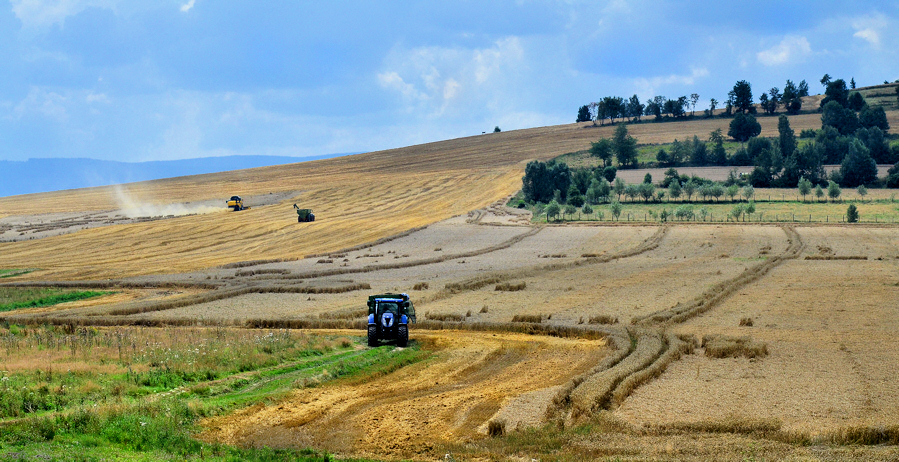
point(806, 162)
point(852, 214)
point(741, 97)
point(839, 117)
point(699, 152)
point(836, 91)
point(790, 99)
point(635, 108)
point(874, 139)
point(583, 114)
point(719, 154)
point(581, 179)
point(852, 83)
point(858, 167)
point(787, 138)
point(856, 101)
point(743, 127)
point(602, 149)
point(609, 173)
point(825, 80)
point(774, 100)
point(803, 89)
point(496, 129)
point(625, 147)
point(536, 182)
point(873, 117)
point(833, 145)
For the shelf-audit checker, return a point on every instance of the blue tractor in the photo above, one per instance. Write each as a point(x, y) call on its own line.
point(389, 316)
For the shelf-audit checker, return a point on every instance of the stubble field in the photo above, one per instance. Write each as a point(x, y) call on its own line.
point(580, 340)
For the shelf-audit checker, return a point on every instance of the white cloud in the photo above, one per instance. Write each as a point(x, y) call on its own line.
point(43, 103)
point(187, 6)
point(43, 13)
point(434, 80)
point(790, 48)
point(869, 28)
point(97, 98)
point(651, 86)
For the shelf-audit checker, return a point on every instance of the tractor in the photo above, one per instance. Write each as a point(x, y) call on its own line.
point(304, 215)
point(388, 318)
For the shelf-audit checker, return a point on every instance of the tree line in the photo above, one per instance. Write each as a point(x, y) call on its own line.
point(853, 134)
point(739, 100)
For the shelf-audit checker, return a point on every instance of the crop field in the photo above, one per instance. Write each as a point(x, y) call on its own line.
point(197, 332)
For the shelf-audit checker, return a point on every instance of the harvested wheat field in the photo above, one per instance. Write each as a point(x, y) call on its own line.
point(471, 379)
point(585, 340)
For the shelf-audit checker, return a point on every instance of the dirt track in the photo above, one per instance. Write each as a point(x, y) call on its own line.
point(446, 399)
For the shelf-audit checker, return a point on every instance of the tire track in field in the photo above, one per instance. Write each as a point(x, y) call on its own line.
point(652, 348)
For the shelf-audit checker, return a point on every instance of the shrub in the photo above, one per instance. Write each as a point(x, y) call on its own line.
point(420, 286)
point(852, 214)
point(746, 322)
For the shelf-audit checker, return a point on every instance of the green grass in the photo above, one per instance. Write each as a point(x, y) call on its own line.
point(144, 390)
point(9, 273)
point(14, 298)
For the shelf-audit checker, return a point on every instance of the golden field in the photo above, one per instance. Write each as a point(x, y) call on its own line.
point(584, 340)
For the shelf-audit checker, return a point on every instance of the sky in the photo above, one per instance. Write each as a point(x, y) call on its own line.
point(141, 80)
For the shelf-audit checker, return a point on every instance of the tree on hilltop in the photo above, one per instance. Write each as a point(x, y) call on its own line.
point(836, 91)
point(583, 114)
point(825, 80)
point(741, 97)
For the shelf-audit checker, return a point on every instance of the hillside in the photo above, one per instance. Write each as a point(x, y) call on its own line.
point(357, 199)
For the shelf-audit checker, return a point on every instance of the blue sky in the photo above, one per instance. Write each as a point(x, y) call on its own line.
point(144, 80)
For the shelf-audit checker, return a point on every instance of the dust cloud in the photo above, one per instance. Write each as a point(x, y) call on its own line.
point(133, 208)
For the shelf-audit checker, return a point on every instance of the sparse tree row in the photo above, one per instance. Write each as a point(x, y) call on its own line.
point(739, 100)
point(853, 135)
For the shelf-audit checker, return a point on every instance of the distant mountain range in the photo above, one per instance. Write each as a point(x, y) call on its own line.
point(54, 174)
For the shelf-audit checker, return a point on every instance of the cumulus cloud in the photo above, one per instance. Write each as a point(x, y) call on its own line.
point(187, 6)
point(790, 48)
point(869, 28)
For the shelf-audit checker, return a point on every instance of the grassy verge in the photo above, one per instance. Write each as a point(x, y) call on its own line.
point(779, 211)
point(138, 393)
point(13, 272)
point(14, 298)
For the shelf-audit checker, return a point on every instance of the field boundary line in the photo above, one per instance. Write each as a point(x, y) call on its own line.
point(714, 296)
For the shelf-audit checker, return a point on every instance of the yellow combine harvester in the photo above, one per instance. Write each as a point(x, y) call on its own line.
point(236, 203)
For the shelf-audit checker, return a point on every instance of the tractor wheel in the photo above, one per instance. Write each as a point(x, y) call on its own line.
point(372, 336)
point(402, 336)
point(311, 217)
point(299, 220)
